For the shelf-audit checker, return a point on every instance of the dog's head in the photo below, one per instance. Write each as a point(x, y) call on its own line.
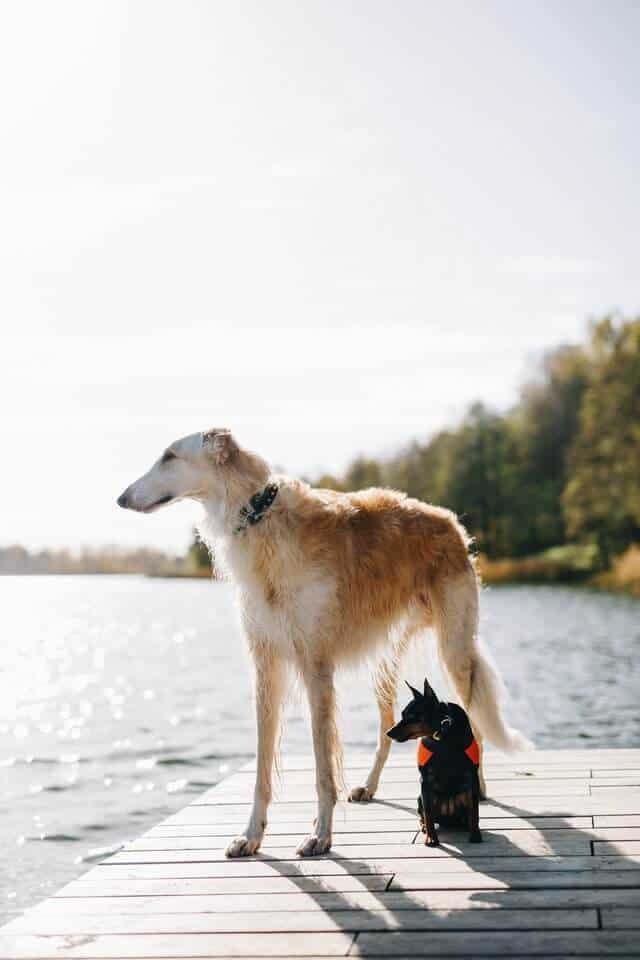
point(205, 466)
point(423, 715)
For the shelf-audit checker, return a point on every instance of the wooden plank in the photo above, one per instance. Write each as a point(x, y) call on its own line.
point(205, 886)
point(617, 820)
point(606, 794)
point(498, 944)
point(218, 834)
point(602, 791)
point(604, 800)
point(358, 827)
point(376, 811)
point(474, 944)
point(174, 946)
point(408, 790)
point(625, 847)
point(620, 918)
point(246, 903)
point(509, 881)
point(367, 815)
point(615, 834)
point(495, 843)
point(403, 787)
point(409, 824)
point(39, 923)
point(627, 780)
point(243, 779)
point(281, 886)
point(274, 841)
point(405, 756)
point(327, 867)
point(615, 771)
point(500, 775)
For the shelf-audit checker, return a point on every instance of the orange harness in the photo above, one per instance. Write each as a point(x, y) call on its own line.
point(472, 751)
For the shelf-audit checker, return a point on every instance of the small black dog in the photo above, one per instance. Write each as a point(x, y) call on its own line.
point(448, 759)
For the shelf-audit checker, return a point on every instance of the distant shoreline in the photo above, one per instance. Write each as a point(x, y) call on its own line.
point(566, 565)
point(160, 574)
point(186, 575)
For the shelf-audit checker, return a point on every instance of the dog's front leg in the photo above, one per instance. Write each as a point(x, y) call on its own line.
point(270, 689)
point(318, 679)
point(431, 835)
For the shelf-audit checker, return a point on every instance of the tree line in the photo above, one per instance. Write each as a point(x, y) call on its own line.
point(562, 466)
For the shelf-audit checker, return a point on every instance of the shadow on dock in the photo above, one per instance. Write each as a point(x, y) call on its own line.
point(499, 880)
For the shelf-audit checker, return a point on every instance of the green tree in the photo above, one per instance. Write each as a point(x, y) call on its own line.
point(544, 425)
point(563, 463)
point(363, 473)
point(602, 496)
point(328, 481)
point(198, 554)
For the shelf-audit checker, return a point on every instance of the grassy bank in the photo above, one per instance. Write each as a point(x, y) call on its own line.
point(571, 563)
point(186, 573)
point(567, 564)
point(624, 574)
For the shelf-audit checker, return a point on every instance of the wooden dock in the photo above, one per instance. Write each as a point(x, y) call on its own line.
point(558, 874)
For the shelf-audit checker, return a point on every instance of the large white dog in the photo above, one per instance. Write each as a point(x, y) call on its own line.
point(326, 578)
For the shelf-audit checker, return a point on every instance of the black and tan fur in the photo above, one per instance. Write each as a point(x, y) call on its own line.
point(449, 782)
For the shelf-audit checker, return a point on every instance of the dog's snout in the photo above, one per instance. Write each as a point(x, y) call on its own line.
point(123, 500)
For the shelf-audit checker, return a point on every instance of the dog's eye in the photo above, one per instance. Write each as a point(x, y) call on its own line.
point(167, 456)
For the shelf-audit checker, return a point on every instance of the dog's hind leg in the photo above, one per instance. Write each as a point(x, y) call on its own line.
point(455, 610)
point(271, 681)
point(454, 601)
point(385, 682)
point(318, 680)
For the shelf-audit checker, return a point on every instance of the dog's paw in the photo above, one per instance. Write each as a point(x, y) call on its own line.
point(360, 795)
point(314, 845)
point(431, 841)
point(242, 847)
point(476, 837)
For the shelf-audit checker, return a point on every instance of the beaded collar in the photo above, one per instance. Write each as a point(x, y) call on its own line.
point(255, 510)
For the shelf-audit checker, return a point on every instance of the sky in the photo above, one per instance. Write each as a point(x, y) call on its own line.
point(330, 226)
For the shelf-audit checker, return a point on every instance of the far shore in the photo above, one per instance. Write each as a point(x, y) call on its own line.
point(200, 573)
point(561, 565)
point(568, 564)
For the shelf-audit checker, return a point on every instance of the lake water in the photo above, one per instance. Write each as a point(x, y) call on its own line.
point(121, 697)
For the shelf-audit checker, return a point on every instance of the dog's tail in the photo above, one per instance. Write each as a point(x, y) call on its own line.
point(455, 608)
point(484, 707)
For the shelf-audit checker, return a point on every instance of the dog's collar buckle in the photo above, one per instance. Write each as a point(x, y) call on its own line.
point(255, 510)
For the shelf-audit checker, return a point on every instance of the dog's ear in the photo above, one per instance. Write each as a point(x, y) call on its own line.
point(429, 692)
point(416, 693)
point(220, 444)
